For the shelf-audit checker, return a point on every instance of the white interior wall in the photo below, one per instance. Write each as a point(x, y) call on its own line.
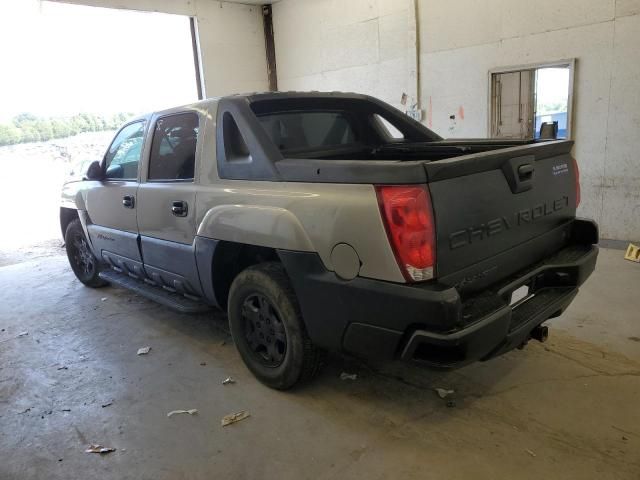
point(461, 41)
point(231, 40)
point(361, 46)
point(357, 45)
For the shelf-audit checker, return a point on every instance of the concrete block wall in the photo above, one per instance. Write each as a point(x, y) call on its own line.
point(231, 40)
point(460, 41)
point(355, 45)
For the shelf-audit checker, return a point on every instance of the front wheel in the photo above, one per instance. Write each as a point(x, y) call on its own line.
point(267, 328)
point(82, 260)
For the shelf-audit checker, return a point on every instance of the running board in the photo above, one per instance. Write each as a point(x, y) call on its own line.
point(172, 300)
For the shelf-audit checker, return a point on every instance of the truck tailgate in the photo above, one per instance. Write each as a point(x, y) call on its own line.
point(499, 211)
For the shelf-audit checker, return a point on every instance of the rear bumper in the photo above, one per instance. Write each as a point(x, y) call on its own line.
point(429, 323)
point(492, 335)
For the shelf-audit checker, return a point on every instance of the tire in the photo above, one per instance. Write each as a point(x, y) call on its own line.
point(82, 260)
point(268, 330)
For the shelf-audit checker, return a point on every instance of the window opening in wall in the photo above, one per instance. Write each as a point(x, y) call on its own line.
point(532, 102)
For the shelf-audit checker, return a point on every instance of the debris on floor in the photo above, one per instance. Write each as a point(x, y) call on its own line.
point(444, 392)
point(193, 411)
point(107, 404)
point(530, 452)
point(447, 395)
point(348, 376)
point(632, 253)
point(103, 299)
point(228, 380)
point(144, 350)
point(25, 411)
point(99, 449)
point(22, 334)
point(203, 364)
point(234, 417)
point(63, 368)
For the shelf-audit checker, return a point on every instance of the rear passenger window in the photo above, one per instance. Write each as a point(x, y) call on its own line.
point(173, 149)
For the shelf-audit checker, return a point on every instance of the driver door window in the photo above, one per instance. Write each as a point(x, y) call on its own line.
point(123, 156)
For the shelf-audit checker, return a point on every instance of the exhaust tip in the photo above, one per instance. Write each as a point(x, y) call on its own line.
point(540, 333)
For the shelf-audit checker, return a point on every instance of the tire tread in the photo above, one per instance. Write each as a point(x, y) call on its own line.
point(313, 356)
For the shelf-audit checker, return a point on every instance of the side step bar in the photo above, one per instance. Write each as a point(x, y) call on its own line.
point(172, 300)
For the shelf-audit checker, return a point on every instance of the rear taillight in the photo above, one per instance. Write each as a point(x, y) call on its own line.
point(408, 217)
point(576, 176)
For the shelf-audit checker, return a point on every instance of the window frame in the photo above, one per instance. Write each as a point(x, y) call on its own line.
point(569, 63)
point(143, 121)
point(195, 162)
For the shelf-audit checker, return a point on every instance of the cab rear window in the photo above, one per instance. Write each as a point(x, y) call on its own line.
point(309, 129)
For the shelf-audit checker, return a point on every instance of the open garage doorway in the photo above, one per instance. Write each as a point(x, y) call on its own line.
point(71, 75)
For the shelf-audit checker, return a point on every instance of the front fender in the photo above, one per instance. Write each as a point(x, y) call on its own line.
point(256, 225)
point(73, 196)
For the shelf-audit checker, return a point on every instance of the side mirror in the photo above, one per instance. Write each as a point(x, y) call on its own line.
point(115, 171)
point(95, 172)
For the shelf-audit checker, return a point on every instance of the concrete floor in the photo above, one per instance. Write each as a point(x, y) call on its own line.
point(565, 409)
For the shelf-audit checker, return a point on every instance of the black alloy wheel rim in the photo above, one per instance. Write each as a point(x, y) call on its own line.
point(82, 256)
point(264, 332)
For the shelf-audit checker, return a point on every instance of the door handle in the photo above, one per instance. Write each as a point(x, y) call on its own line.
point(179, 208)
point(128, 201)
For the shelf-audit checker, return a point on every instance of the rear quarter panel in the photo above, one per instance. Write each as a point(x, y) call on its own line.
point(299, 216)
point(293, 216)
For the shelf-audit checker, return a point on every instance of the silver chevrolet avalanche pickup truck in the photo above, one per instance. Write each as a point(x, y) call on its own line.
point(332, 221)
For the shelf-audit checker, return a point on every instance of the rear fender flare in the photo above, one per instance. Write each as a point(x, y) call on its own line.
point(256, 225)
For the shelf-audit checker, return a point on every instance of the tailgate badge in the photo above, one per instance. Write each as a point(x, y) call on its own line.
point(496, 226)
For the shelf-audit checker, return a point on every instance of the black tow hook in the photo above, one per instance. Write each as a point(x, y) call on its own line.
point(540, 333)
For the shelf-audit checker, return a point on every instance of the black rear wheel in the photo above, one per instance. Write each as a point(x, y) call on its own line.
point(263, 330)
point(268, 330)
point(82, 260)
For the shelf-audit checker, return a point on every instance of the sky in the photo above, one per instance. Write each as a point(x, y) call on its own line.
point(552, 87)
point(60, 59)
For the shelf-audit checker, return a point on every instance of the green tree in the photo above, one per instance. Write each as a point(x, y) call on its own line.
point(29, 133)
point(24, 118)
point(9, 135)
point(43, 127)
point(60, 128)
point(79, 124)
point(27, 127)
